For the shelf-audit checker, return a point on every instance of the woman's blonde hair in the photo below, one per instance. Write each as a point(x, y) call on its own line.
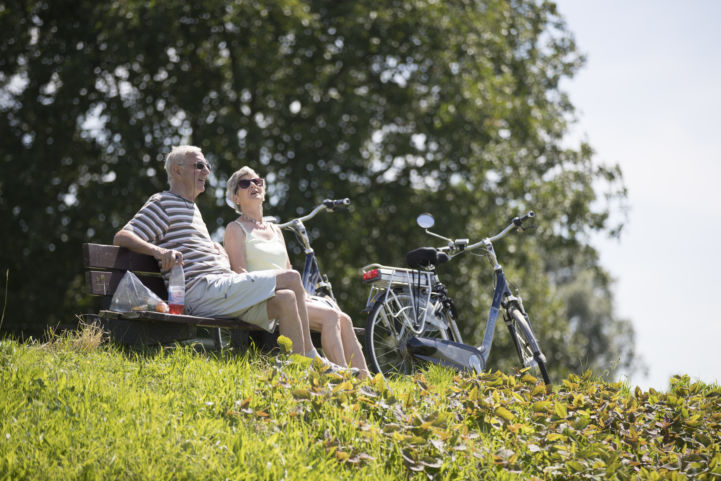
point(232, 185)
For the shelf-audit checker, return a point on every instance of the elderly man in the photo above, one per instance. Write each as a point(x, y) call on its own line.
point(170, 228)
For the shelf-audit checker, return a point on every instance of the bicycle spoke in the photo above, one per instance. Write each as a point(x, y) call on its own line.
point(388, 329)
point(525, 342)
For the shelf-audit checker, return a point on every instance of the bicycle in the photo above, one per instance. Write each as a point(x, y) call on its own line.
point(314, 281)
point(412, 319)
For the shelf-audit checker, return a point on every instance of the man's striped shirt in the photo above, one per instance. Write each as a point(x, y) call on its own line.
point(172, 222)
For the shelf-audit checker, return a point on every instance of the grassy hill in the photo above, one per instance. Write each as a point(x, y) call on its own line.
point(77, 409)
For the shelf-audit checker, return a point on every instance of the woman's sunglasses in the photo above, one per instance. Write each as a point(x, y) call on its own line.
point(245, 183)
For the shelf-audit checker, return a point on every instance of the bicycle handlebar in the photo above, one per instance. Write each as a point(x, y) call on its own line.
point(516, 222)
point(335, 204)
point(460, 245)
point(330, 205)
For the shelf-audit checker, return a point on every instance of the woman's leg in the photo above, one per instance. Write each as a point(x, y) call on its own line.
point(324, 319)
point(283, 307)
point(290, 279)
point(351, 347)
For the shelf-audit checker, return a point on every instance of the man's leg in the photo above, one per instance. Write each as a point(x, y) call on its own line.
point(283, 306)
point(291, 280)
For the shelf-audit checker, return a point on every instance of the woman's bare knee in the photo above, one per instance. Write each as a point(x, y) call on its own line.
point(331, 323)
point(282, 303)
point(288, 279)
point(345, 320)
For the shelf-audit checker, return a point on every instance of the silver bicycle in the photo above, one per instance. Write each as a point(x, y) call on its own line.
point(412, 319)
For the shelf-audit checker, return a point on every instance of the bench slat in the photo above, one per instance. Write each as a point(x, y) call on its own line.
point(102, 256)
point(105, 266)
point(104, 283)
point(179, 319)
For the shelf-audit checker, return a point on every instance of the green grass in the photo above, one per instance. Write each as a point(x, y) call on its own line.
point(78, 409)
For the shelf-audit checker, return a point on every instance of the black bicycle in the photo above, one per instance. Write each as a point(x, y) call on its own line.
point(412, 319)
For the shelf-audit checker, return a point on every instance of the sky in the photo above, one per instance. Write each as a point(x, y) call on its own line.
point(649, 99)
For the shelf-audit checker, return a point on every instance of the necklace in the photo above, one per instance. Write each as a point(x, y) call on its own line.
point(258, 225)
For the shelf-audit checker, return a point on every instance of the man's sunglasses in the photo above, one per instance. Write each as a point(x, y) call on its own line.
point(245, 183)
point(201, 165)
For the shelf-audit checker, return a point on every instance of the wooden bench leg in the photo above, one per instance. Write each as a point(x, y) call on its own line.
point(239, 339)
point(217, 338)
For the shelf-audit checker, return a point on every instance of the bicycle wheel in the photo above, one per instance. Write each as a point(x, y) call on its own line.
point(386, 333)
point(527, 347)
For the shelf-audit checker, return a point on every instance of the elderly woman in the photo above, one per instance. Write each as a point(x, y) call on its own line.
point(256, 245)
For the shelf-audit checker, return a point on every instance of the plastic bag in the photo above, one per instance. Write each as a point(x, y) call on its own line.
point(132, 295)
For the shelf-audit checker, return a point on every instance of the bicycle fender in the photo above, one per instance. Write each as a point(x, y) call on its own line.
point(372, 302)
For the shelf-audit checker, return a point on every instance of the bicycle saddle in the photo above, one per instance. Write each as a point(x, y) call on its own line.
point(425, 257)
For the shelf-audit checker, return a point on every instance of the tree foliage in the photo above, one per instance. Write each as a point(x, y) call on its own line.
point(404, 106)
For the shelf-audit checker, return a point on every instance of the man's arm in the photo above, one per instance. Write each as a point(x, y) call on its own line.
point(130, 240)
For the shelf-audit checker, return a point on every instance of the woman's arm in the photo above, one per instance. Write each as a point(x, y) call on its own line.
point(234, 242)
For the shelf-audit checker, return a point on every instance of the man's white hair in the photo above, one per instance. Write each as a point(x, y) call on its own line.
point(176, 155)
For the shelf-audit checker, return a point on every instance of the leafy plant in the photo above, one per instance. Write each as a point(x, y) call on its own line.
point(97, 414)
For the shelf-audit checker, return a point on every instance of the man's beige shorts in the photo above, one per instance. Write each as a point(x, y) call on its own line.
point(234, 296)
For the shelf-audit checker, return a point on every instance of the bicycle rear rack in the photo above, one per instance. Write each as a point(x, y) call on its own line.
point(386, 278)
point(396, 276)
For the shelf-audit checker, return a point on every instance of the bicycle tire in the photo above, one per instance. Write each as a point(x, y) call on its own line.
point(384, 345)
point(529, 352)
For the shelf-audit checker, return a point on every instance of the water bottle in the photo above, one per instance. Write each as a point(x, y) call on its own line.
point(176, 290)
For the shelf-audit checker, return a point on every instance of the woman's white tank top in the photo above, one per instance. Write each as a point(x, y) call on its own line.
point(262, 254)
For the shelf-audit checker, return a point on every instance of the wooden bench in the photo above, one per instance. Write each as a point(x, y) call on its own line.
point(105, 266)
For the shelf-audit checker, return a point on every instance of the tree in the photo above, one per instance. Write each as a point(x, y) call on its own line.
point(451, 107)
point(588, 302)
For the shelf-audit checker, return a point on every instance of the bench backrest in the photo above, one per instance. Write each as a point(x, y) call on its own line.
point(105, 266)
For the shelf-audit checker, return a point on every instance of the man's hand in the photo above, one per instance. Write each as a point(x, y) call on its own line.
point(220, 249)
point(168, 258)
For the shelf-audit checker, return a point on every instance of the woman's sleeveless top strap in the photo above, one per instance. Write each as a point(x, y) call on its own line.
point(241, 226)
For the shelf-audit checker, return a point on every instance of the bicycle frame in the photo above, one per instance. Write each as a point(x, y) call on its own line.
point(501, 292)
point(502, 295)
point(314, 282)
